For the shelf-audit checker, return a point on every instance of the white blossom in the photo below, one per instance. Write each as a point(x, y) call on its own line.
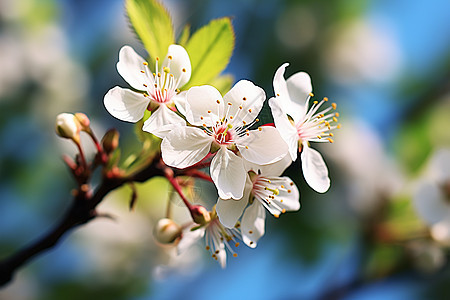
point(220, 127)
point(159, 90)
point(300, 124)
point(265, 189)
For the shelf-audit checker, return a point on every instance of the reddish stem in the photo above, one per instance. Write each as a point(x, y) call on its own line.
point(199, 174)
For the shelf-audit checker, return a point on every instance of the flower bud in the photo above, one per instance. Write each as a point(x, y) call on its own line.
point(200, 215)
point(68, 126)
point(110, 140)
point(167, 231)
point(84, 121)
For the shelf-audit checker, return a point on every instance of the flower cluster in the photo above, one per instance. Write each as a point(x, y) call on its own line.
point(200, 129)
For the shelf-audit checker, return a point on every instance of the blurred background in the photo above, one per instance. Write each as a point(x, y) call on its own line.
point(381, 231)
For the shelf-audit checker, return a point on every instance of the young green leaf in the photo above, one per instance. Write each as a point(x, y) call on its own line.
point(152, 24)
point(184, 36)
point(210, 50)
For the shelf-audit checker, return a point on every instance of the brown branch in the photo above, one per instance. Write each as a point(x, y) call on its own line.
point(81, 211)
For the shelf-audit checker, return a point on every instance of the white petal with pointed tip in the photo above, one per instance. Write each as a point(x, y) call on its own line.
point(315, 170)
point(180, 60)
point(244, 110)
point(130, 66)
point(161, 121)
point(228, 173)
point(230, 210)
point(125, 104)
point(252, 224)
point(262, 146)
point(185, 146)
point(279, 83)
point(287, 131)
point(200, 100)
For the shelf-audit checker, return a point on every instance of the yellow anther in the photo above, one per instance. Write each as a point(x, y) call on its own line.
point(278, 95)
point(274, 191)
point(244, 98)
point(246, 147)
point(218, 101)
point(331, 134)
point(291, 183)
point(207, 248)
point(315, 102)
point(209, 111)
point(311, 94)
point(250, 232)
point(249, 110)
point(236, 245)
point(281, 200)
point(169, 57)
point(177, 90)
point(325, 99)
point(142, 71)
point(231, 117)
point(289, 191)
point(319, 137)
point(157, 58)
point(334, 105)
point(282, 186)
point(243, 122)
point(240, 106)
point(145, 85)
point(229, 103)
point(283, 211)
point(330, 140)
point(337, 114)
point(234, 254)
point(260, 128)
point(204, 125)
point(256, 120)
point(276, 215)
point(335, 119)
point(145, 63)
point(184, 70)
point(338, 126)
point(201, 118)
point(159, 74)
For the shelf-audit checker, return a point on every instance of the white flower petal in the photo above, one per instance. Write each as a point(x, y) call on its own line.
point(188, 238)
point(230, 210)
point(279, 83)
point(185, 146)
point(180, 102)
point(161, 121)
point(290, 194)
point(180, 61)
point(246, 101)
point(125, 104)
point(252, 224)
point(204, 105)
point(299, 86)
point(287, 131)
point(262, 146)
point(130, 66)
point(228, 173)
point(273, 169)
point(315, 170)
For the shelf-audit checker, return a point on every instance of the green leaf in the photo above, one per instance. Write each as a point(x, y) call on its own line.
point(152, 24)
point(210, 50)
point(223, 83)
point(184, 36)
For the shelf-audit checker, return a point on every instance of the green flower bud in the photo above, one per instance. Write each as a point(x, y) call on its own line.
point(110, 140)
